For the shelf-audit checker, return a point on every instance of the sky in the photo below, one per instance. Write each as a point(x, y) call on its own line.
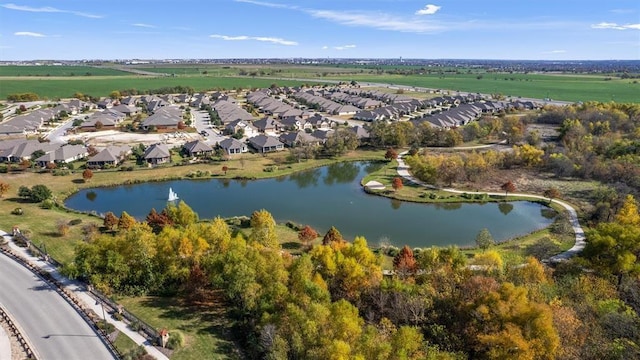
point(218, 29)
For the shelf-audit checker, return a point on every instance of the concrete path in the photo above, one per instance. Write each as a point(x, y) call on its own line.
point(79, 290)
point(5, 345)
point(403, 171)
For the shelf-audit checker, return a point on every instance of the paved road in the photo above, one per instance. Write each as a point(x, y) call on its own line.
point(578, 246)
point(53, 327)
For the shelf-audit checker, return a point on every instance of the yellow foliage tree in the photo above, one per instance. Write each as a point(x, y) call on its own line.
point(628, 213)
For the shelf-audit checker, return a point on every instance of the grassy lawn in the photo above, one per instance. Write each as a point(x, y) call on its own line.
point(124, 344)
point(206, 327)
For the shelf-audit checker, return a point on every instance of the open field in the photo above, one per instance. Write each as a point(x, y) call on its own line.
point(63, 70)
point(56, 81)
point(56, 88)
point(557, 87)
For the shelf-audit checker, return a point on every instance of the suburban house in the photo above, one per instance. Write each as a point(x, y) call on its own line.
point(27, 123)
point(232, 146)
point(246, 126)
point(104, 120)
point(268, 125)
point(128, 110)
point(298, 138)
point(105, 103)
point(129, 100)
point(229, 111)
point(265, 143)
point(22, 150)
point(156, 104)
point(110, 156)
point(361, 132)
point(197, 148)
point(63, 155)
point(157, 154)
point(166, 118)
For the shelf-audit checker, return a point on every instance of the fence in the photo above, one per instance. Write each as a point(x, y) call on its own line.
point(13, 328)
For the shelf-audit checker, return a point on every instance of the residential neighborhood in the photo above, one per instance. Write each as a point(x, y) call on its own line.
point(202, 125)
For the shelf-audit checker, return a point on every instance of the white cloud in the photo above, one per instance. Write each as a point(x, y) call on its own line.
point(376, 21)
point(555, 52)
point(344, 47)
point(48, 9)
point(607, 25)
point(29, 33)
point(429, 10)
point(274, 40)
point(325, 47)
point(267, 4)
point(144, 25)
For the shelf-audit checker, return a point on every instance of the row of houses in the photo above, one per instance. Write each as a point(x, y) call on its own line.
point(324, 104)
point(14, 151)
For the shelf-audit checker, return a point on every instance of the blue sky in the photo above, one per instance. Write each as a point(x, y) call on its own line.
point(433, 29)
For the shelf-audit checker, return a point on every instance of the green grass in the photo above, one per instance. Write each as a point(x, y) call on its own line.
point(63, 70)
point(207, 328)
point(557, 87)
point(66, 87)
point(124, 344)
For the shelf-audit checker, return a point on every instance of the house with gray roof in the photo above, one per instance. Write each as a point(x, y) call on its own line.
point(63, 155)
point(247, 128)
point(110, 156)
point(23, 150)
point(268, 125)
point(197, 148)
point(265, 143)
point(232, 146)
point(298, 138)
point(157, 154)
point(163, 119)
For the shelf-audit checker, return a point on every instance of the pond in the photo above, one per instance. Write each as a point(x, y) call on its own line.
point(325, 197)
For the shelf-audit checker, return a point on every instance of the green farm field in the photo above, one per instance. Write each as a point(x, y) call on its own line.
point(51, 70)
point(540, 86)
point(567, 87)
point(65, 87)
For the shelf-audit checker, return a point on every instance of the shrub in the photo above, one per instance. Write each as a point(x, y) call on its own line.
point(117, 316)
point(135, 326)
point(176, 340)
point(48, 204)
point(75, 222)
point(17, 211)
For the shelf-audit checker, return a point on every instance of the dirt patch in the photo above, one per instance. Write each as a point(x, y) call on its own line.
point(111, 137)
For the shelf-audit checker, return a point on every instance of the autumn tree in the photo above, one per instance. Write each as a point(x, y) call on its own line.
point(225, 168)
point(391, 154)
point(484, 240)
point(307, 234)
point(263, 229)
point(333, 236)
point(157, 221)
point(87, 175)
point(4, 188)
point(182, 214)
point(551, 193)
point(397, 183)
point(110, 220)
point(126, 221)
point(404, 263)
point(508, 187)
point(63, 227)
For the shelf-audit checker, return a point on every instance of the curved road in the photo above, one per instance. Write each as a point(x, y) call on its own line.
point(53, 327)
point(578, 246)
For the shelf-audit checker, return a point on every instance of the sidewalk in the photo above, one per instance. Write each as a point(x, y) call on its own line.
point(79, 290)
point(580, 239)
point(5, 345)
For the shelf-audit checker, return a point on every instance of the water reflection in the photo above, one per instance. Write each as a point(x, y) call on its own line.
point(448, 206)
point(341, 173)
point(306, 178)
point(505, 207)
point(395, 204)
point(91, 195)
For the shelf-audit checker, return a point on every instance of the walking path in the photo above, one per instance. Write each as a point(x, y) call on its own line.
point(80, 292)
point(578, 246)
point(5, 345)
